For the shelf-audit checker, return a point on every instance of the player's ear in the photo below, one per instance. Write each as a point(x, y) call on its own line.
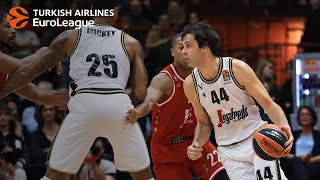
point(172, 52)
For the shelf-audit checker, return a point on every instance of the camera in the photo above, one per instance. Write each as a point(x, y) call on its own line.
point(95, 150)
point(10, 157)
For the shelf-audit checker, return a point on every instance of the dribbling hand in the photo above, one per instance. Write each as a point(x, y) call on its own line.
point(132, 115)
point(289, 143)
point(194, 151)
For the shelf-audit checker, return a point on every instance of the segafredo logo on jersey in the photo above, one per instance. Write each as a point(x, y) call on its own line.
point(17, 17)
point(235, 115)
point(55, 17)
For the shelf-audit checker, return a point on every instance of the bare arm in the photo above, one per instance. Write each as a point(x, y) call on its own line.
point(159, 89)
point(138, 75)
point(41, 63)
point(43, 96)
point(8, 64)
point(247, 78)
point(204, 126)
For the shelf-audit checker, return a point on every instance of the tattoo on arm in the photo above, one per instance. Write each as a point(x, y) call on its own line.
point(39, 64)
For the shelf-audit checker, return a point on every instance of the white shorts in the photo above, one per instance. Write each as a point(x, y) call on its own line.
point(98, 115)
point(241, 162)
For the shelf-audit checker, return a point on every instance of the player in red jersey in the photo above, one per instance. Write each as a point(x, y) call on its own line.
point(173, 125)
point(8, 65)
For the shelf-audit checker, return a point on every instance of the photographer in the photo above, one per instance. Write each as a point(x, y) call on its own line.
point(9, 168)
point(94, 166)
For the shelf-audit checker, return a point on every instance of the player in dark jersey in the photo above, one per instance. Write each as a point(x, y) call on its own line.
point(173, 125)
point(8, 65)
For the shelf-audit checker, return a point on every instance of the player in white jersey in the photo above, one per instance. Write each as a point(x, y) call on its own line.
point(223, 90)
point(102, 60)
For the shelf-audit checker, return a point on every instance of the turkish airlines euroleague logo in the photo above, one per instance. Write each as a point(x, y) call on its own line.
point(18, 17)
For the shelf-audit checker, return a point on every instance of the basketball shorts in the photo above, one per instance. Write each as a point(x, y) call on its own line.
point(206, 167)
point(98, 115)
point(241, 162)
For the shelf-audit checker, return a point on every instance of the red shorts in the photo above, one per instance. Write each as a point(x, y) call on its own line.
point(206, 167)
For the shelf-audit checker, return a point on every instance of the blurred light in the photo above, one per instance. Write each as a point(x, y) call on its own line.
point(306, 76)
point(298, 67)
point(306, 92)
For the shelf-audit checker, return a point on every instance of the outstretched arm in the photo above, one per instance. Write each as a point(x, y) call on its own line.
point(43, 96)
point(41, 63)
point(248, 79)
point(159, 89)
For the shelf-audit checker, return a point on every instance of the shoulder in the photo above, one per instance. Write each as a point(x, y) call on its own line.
point(238, 65)
point(162, 81)
point(133, 46)
point(188, 82)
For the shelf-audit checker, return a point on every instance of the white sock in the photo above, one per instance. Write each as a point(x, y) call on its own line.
point(45, 178)
point(152, 179)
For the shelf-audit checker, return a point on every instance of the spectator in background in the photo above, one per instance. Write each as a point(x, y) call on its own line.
point(193, 18)
point(28, 115)
point(7, 130)
point(310, 41)
point(158, 45)
point(141, 24)
point(40, 141)
point(266, 74)
point(287, 91)
point(8, 164)
point(177, 14)
point(303, 162)
point(94, 166)
point(27, 42)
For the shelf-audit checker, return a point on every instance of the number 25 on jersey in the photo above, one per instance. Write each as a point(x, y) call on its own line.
point(108, 60)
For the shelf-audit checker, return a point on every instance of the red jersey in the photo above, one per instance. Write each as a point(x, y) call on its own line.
point(173, 120)
point(3, 79)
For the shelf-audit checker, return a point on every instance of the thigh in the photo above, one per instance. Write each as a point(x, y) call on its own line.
point(267, 169)
point(236, 168)
point(209, 165)
point(130, 149)
point(71, 144)
point(176, 171)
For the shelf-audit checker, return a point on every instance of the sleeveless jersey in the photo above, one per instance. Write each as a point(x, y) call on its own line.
point(3, 79)
point(173, 119)
point(232, 110)
point(99, 59)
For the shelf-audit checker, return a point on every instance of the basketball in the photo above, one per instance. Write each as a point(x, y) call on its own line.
point(269, 142)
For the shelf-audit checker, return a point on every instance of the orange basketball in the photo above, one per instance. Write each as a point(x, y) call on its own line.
point(269, 142)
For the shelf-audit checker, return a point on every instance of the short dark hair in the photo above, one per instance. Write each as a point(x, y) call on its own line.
point(175, 37)
point(312, 113)
point(3, 14)
point(104, 4)
point(4, 106)
point(205, 34)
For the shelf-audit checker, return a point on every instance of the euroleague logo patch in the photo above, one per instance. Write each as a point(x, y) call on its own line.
point(17, 17)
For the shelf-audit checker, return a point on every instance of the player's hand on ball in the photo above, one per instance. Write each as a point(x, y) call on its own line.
point(194, 151)
point(289, 143)
point(132, 115)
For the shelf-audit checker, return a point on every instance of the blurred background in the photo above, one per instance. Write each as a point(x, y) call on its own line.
point(279, 39)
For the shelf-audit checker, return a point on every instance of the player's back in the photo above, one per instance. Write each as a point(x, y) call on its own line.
point(99, 59)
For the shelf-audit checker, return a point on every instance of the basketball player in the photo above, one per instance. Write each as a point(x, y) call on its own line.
point(102, 59)
point(8, 65)
point(224, 90)
point(173, 124)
